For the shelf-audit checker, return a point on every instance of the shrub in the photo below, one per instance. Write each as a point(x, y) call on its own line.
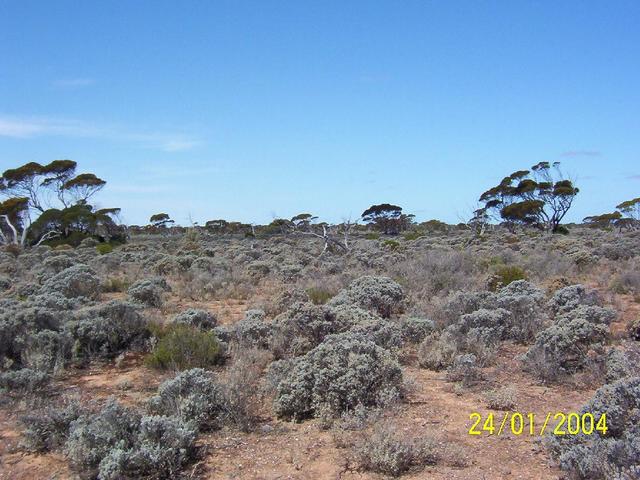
point(436, 351)
point(389, 452)
point(163, 445)
point(115, 284)
point(504, 275)
point(490, 326)
point(526, 304)
point(464, 369)
point(23, 382)
point(590, 313)
point(252, 331)
point(242, 389)
point(106, 330)
point(47, 351)
point(341, 373)
point(193, 396)
point(380, 294)
point(562, 349)
point(182, 347)
point(302, 327)
point(415, 329)
point(391, 244)
point(319, 296)
point(104, 248)
point(372, 236)
point(119, 443)
point(618, 366)
point(414, 235)
point(196, 318)
point(568, 298)
point(76, 281)
point(503, 398)
point(149, 292)
point(614, 455)
point(48, 429)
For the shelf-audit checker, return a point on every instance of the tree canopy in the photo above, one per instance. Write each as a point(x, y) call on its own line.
point(387, 218)
point(538, 197)
point(50, 200)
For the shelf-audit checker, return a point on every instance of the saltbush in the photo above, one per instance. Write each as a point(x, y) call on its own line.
point(562, 349)
point(48, 429)
point(76, 281)
point(149, 292)
point(106, 330)
point(568, 298)
point(196, 318)
point(344, 371)
point(379, 294)
point(23, 382)
point(389, 452)
point(615, 454)
point(194, 396)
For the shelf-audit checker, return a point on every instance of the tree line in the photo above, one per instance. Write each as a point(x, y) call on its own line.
point(51, 204)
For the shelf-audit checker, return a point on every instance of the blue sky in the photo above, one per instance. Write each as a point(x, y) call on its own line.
point(248, 110)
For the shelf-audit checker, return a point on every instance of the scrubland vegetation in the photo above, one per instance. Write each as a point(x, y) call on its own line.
point(168, 352)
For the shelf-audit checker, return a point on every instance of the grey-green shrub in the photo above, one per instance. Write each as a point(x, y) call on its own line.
point(380, 294)
point(344, 371)
point(194, 396)
point(614, 455)
point(48, 429)
point(562, 348)
point(149, 292)
point(23, 382)
point(389, 452)
point(196, 318)
point(76, 281)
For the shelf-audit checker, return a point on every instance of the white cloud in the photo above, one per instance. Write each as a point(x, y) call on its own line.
point(26, 128)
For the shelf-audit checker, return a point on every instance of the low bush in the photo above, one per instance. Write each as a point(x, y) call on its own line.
point(182, 347)
point(415, 329)
point(23, 382)
point(118, 443)
point(106, 331)
point(194, 396)
point(48, 429)
point(104, 248)
point(76, 281)
point(319, 296)
point(464, 369)
point(436, 351)
point(504, 275)
point(149, 292)
point(569, 298)
point(341, 373)
point(196, 318)
point(562, 349)
point(503, 398)
point(614, 455)
point(389, 452)
point(379, 294)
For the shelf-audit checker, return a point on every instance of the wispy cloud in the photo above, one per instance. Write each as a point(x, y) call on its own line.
point(26, 128)
point(582, 153)
point(633, 177)
point(73, 82)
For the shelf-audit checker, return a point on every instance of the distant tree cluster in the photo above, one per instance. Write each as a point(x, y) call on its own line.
point(626, 217)
point(49, 201)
